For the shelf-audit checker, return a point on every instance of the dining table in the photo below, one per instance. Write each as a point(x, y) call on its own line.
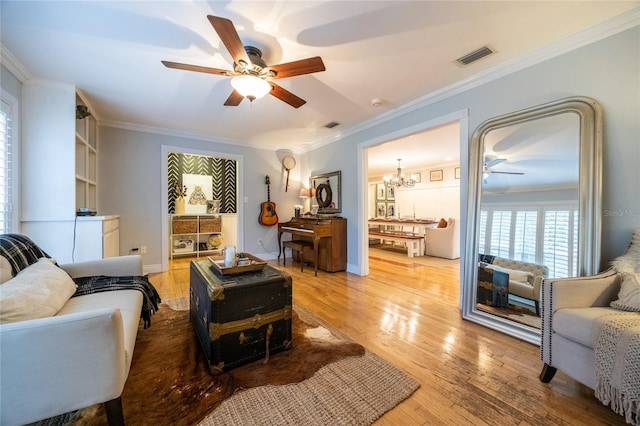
point(419, 225)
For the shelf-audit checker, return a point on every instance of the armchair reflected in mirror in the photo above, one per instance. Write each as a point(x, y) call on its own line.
point(534, 183)
point(326, 192)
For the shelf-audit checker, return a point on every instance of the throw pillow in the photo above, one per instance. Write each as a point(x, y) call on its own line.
point(629, 295)
point(38, 291)
point(630, 261)
point(442, 223)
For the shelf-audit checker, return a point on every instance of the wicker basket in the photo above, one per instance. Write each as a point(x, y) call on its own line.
point(210, 225)
point(184, 225)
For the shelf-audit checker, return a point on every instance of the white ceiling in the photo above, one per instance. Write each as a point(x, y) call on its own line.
point(396, 51)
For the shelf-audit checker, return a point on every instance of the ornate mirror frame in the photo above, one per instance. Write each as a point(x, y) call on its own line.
point(328, 192)
point(590, 177)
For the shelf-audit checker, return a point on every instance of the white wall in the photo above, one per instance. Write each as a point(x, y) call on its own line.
point(131, 179)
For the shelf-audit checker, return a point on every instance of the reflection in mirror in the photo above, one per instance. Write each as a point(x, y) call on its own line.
point(534, 184)
point(326, 192)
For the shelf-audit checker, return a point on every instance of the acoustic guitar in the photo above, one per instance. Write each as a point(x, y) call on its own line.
point(268, 215)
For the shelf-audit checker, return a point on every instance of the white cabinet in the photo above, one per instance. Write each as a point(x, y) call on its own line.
point(98, 237)
point(195, 235)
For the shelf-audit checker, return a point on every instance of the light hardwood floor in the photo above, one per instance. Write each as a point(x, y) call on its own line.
point(409, 316)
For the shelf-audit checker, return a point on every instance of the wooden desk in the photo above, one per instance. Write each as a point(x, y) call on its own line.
point(329, 237)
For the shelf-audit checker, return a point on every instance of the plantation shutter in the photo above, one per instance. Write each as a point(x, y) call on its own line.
point(6, 169)
point(557, 253)
point(524, 244)
point(500, 233)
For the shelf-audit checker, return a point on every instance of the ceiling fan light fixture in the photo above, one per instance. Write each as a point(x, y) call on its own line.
point(250, 86)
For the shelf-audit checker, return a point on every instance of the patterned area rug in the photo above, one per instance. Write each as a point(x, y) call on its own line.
point(324, 379)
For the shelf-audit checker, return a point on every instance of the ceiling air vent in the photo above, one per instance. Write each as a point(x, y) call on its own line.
point(331, 125)
point(474, 56)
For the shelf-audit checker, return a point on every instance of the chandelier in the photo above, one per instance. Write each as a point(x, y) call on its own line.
point(398, 180)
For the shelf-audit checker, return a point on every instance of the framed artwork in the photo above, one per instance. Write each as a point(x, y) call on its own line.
point(416, 176)
point(199, 190)
point(391, 193)
point(381, 210)
point(457, 172)
point(381, 191)
point(391, 209)
point(435, 175)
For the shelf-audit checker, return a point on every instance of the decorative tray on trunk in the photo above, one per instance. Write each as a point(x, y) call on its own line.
point(255, 264)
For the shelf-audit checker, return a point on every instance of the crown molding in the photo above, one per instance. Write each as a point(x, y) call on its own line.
point(13, 65)
point(583, 38)
point(179, 133)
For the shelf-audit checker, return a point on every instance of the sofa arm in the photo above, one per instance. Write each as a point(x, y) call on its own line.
point(581, 292)
point(112, 266)
point(58, 364)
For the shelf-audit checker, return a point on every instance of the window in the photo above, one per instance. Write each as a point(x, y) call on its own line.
point(8, 214)
point(542, 234)
point(525, 240)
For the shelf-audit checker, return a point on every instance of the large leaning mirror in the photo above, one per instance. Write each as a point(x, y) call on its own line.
point(534, 204)
point(326, 192)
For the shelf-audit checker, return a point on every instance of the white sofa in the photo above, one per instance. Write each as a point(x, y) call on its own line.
point(525, 279)
point(76, 358)
point(569, 308)
point(443, 242)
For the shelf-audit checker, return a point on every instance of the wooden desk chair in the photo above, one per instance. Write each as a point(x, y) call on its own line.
point(299, 247)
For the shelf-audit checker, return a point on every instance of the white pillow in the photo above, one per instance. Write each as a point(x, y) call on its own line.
point(629, 295)
point(38, 291)
point(514, 275)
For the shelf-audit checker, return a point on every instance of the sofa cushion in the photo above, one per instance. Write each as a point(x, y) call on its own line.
point(576, 324)
point(629, 295)
point(38, 291)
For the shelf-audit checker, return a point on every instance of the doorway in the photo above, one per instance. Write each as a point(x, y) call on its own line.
point(435, 175)
point(210, 164)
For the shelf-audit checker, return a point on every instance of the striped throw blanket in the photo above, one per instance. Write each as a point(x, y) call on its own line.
point(616, 345)
point(101, 283)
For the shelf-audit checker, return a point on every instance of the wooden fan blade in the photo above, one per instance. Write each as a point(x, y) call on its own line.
point(303, 66)
point(195, 68)
point(234, 99)
point(286, 96)
point(230, 38)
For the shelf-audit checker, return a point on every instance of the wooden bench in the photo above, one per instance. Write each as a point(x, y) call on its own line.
point(299, 247)
point(414, 243)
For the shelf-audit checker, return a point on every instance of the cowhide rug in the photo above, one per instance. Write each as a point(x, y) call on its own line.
point(170, 382)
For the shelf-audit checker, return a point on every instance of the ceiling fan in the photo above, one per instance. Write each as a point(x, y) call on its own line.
point(486, 169)
point(252, 77)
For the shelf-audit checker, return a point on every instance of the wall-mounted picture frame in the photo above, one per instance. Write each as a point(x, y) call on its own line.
point(457, 173)
point(381, 191)
point(391, 193)
point(435, 175)
point(391, 209)
point(381, 209)
point(417, 177)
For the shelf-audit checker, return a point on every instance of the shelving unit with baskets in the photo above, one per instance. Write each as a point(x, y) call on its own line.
point(195, 235)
